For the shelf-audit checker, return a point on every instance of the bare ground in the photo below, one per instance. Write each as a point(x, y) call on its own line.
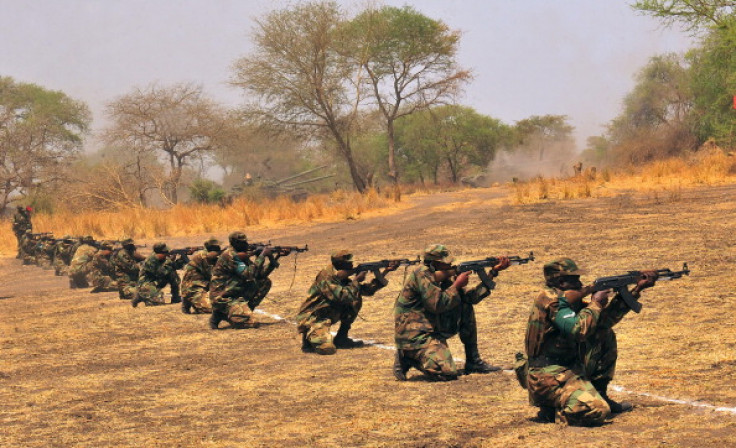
point(80, 369)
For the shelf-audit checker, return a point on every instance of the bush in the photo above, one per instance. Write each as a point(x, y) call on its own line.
point(203, 191)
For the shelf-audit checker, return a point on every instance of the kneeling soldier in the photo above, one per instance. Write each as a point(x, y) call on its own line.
point(432, 308)
point(335, 297)
point(568, 344)
point(101, 271)
point(195, 284)
point(127, 262)
point(158, 271)
point(79, 267)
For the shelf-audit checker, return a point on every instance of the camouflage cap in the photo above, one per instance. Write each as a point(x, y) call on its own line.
point(160, 248)
point(341, 255)
point(561, 267)
point(438, 252)
point(87, 238)
point(212, 244)
point(237, 237)
point(106, 245)
point(127, 242)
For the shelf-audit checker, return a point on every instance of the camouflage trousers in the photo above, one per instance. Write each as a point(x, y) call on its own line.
point(102, 283)
point(60, 268)
point(127, 290)
point(316, 328)
point(152, 294)
point(434, 360)
point(238, 311)
point(575, 398)
point(196, 295)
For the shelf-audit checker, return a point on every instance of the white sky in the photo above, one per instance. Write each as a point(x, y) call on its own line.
point(529, 57)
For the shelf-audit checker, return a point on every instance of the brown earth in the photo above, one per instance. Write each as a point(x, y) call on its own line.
point(80, 369)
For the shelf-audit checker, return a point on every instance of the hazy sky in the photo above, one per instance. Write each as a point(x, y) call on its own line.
point(529, 57)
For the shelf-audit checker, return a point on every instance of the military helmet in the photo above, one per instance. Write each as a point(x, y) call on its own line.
point(87, 239)
point(237, 238)
point(127, 242)
point(560, 268)
point(212, 244)
point(160, 248)
point(438, 252)
point(106, 245)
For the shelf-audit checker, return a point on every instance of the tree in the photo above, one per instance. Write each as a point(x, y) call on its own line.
point(40, 133)
point(410, 64)
point(540, 133)
point(300, 80)
point(177, 124)
point(695, 15)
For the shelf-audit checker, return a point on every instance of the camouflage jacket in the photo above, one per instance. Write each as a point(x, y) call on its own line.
point(64, 252)
point(21, 223)
point(554, 329)
point(230, 274)
point(127, 268)
point(81, 259)
point(419, 308)
point(157, 272)
point(329, 291)
point(101, 266)
point(198, 272)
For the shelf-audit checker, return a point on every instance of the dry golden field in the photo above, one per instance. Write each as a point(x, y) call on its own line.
point(81, 369)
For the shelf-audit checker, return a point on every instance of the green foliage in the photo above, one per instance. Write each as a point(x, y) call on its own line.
point(205, 191)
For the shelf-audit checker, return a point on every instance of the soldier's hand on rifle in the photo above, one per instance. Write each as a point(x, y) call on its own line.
point(266, 251)
point(601, 297)
point(360, 277)
point(503, 263)
point(648, 279)
point(392, 266)
point(462, 280)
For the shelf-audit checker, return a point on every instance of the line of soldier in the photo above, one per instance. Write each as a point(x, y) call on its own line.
point(571, 348)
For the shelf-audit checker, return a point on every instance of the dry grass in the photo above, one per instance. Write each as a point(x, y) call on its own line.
point(182, 220)
point(663, 180)
point(80, 369)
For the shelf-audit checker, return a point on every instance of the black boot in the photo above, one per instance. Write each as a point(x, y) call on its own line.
point(546, 414)
point(175, 299)
point(307, 346)
point(186, 306)
point(136, 300)
point(215, 318)
point(616, 407)
point(401, 366)
point(343, 341)
point(473, 362)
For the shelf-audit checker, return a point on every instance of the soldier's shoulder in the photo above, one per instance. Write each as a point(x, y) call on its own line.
point(547, 297)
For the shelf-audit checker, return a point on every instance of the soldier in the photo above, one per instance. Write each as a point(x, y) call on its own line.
point(571, 347)
point(63, 252)
point(157, 271)
point(22, 223)
point(195, 284)
point(127, 265)
point(432, 308)
point(79, 267)
point(28, 247)
point(101, 270)
point(45, 252)
point(235, 289)
point(335, 297)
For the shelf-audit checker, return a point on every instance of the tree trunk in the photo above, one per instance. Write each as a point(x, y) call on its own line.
point(393, 173)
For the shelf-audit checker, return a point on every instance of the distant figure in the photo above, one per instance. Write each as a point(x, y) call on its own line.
point(591, 173)
point(578, 169)
point(21, 223)
point(248, 180)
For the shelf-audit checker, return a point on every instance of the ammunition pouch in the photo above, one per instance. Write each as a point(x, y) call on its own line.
point(521, 368)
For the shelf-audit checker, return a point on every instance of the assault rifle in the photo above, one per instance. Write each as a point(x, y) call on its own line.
point(257, 248)
point(620, 283)
point(185, 251)
point(98, 244)
point(42, 234)
point(376, 265)
point(480, 266)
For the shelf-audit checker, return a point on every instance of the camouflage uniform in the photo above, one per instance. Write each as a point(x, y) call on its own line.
point(63, 252)
point(79, 267)
point(332, 299)
point(567, 348)
point(195, 283)
point(126, 263)
point(45, 252)
point(235, 289)
point(427, 313)
point(101, 270)
point(21, 223)
point(28, 247)
point(155, 275)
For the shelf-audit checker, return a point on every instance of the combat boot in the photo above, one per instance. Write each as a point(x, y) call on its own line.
point(136, 300)
point(307, 346)
point(186, 306)
point(401, 366)
point(546, 414)
point(616, 407)
point(474, 363)
point(215, 318)
point(175, 299)
point(343, 341)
